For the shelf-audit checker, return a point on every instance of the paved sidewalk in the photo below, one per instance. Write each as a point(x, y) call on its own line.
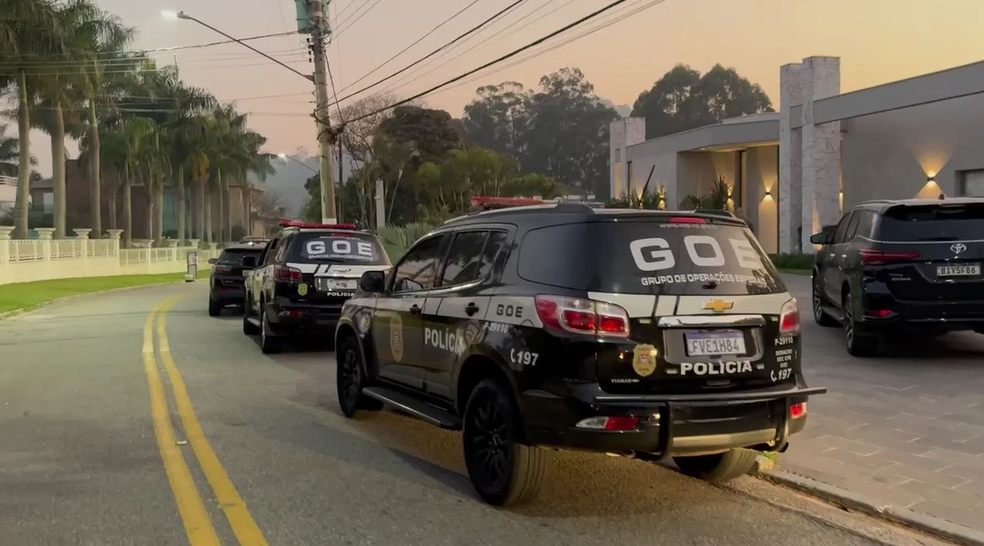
point(903, 429)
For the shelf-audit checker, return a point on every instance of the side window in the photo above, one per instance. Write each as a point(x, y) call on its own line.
point(497, 240)
point(852, 228)
point(282, 249)
point(866, 223)
point(418, 269)
point(464, 263)
point(269, 253)
point(841, 233)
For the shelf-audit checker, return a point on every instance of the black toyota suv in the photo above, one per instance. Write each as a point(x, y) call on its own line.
point(656, 334)
point(226, 280)
point(302, 278)
point(911, 267)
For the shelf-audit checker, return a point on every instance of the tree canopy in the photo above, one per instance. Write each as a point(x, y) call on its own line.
point(684, 99)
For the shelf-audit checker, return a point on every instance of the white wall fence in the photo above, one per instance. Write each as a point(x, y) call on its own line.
point(25, 260)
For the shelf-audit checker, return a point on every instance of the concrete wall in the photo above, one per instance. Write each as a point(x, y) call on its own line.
point(622, 134)
point(890, 155)
point(665, 173)
point(762, 177)
point(698, 171)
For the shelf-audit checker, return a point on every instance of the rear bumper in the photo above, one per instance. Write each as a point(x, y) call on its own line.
point(670, 424)
point(226, 293)
point(290, 317)
point(946, 316)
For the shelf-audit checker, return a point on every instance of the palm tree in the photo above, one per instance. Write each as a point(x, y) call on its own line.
point(8, 153)
point(28, 29)
point(123, 148)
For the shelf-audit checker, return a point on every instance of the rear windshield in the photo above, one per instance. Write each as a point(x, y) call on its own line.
point(933, 223)
point(647, 257)
point(234, 256)
point(354, 248)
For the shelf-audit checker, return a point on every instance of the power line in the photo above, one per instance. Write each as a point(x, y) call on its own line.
point(342, 21)
point(170, 48)
point(507, 56)
point(432, 53)
point(341, 116)
point(588, 32)
point(404, 50)
point(403, 83)
point(357, 19)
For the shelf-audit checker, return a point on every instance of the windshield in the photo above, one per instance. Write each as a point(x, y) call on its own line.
point(234, 256)
point(356, 248)
point(933, 223)
point(649, 257)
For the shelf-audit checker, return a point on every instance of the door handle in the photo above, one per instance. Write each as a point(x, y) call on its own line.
point(415, 309)
point(471, 309)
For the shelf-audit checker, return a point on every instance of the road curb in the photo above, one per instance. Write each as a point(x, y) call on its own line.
point(859, 503)
point(32, 308)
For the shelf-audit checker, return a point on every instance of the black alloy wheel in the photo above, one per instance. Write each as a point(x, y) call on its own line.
point(819, 315)
point(503, 470)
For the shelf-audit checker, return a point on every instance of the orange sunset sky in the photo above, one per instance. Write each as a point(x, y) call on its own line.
point(878, 41)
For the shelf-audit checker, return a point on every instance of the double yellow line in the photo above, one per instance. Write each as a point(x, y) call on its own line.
point(197, 523)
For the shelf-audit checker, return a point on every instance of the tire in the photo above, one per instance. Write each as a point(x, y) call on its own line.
point(503, 471)
point(249, 328)
point(819, 315)
point(269, 343)
point(720, 467)
point(858, 344)
point(350, 378)
point(214, 307)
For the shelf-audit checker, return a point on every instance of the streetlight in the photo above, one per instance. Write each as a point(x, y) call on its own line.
point(328, 211)
point(285, 157)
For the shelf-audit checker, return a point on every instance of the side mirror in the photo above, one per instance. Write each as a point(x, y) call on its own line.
point(825, 237)
point(372, 282)
point(213, 261)
point(249, 262)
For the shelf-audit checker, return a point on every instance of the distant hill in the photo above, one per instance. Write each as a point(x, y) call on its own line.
point(288, 182)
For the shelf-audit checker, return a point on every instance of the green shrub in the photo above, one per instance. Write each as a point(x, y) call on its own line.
point(397, 239)
point(792, 261)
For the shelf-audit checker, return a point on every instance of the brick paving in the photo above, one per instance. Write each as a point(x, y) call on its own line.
point(905, 428)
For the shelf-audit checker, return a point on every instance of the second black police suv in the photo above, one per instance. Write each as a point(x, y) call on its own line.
point(636, 332)
point(302, 278)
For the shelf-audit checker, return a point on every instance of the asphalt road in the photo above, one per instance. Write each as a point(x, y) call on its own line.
point(81, 461)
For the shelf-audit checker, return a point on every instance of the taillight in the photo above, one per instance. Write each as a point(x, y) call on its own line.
point(615, 422)
point(879, 313)
point(797, 410)
point(284, 273)
point(789, 318)
point(223, 269)
point(583, 316)
point(872, 256)
point(687, 220)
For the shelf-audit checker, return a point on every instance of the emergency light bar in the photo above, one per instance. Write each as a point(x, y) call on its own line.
point(309, 225)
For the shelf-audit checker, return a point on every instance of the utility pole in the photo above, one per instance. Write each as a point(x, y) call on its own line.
point(319, 29)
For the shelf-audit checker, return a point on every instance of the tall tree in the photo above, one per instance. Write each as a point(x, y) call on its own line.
point(498, 117)
point(8, 153)
point(28, 31)
point(684, 99)
point(567, 133)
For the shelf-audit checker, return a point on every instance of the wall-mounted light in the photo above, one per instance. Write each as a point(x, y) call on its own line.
point(768, 193)
point(931, 178)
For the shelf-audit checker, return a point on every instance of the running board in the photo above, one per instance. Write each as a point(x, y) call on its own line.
point(415, 407)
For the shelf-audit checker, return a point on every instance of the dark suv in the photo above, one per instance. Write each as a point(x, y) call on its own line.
point(302, 278)
point(907, 267)
point(623, 331)
point(225, 281)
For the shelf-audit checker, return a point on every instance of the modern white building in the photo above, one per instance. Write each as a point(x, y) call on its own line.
point(793, 171)
point(8, 193)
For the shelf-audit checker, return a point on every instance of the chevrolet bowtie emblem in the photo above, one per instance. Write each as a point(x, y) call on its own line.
point(719, 306)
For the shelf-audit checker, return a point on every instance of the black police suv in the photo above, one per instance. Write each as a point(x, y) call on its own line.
point(658, 334)
point(226, 280)
point(302, 278)
point(911, 267)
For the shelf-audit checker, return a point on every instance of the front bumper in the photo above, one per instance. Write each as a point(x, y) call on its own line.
point(669, 424)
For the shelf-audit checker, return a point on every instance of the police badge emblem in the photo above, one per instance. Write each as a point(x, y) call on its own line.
point(644, 359)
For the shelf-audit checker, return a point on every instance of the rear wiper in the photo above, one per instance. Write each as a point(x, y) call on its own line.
point(710, 285)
